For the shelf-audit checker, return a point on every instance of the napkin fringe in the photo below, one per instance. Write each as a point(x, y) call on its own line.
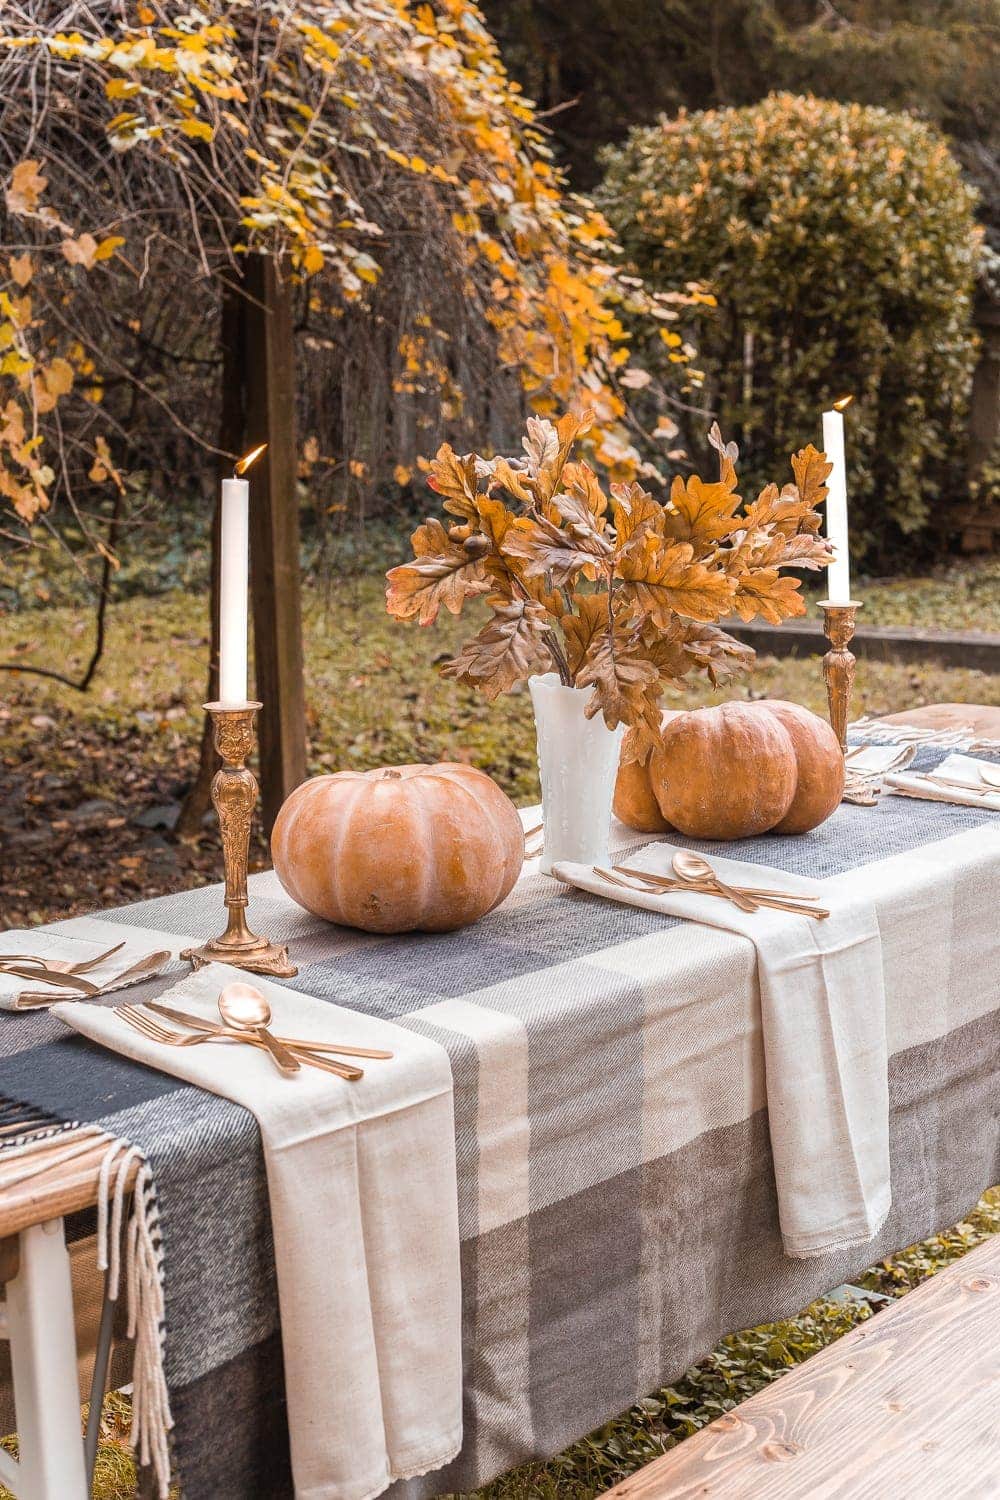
point(151, 1417)
point(961, 738)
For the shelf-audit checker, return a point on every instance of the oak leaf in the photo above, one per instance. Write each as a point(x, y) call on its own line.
point(767, 593)
point(702, 513)
point(506, 651)
point(455, 479)
point(610, 658)
point(666, 580)
point(543, 548)
point(636, 516)
point(811, 470)
point(442, 573)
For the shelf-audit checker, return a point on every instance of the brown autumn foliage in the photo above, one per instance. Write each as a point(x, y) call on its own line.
point(617, 591)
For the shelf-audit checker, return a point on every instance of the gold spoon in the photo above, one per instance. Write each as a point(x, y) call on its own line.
point(244, 1008)
point(692, 868)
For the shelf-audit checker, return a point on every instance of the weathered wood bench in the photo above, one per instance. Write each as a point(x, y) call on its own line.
point(904, 1407)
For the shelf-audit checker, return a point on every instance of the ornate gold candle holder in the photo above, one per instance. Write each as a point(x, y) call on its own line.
point(234, 794)
point(839, 621)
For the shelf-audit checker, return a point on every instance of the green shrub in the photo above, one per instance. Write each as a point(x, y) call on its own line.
point(840, 243)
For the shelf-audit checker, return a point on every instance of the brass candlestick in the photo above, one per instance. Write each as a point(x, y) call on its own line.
point(234, 794)
point(839, 663)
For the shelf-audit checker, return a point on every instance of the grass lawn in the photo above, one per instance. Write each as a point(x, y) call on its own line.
point(77, 770)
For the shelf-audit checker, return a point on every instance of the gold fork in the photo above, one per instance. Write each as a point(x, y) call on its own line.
point(155, 1031)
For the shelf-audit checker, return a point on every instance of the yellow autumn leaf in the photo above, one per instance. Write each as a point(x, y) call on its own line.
point(402, 474)
point(108, 246)
point(21, 268)
point(312, 260)
point(14, 363)
point(121, 88)
point(200, 129)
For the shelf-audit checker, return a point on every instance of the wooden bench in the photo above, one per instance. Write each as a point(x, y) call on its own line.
point(57, 1329)
point(904, 1407)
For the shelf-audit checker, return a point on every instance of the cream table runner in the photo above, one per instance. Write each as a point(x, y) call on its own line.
point(361, 1181)
point(823, 1017)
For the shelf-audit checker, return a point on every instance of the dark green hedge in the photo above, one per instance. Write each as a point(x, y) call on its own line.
point(841, 245)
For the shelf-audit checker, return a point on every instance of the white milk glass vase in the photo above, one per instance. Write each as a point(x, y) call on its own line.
point(578, 765)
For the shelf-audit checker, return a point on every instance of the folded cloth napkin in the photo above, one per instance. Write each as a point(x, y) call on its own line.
point(29, 990)
point(955, 767)
point(875, 760)
point(823, 1020)
point(362, 1188)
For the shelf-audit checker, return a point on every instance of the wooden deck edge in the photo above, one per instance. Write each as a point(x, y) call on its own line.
point(778, 1442)
point(979, 650)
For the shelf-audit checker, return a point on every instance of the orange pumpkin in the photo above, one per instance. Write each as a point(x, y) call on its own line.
point(820, 760)
point(399, 849)
point(634, 803)
point(735, 771)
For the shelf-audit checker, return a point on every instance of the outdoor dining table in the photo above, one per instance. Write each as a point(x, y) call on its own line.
point(615, 1181)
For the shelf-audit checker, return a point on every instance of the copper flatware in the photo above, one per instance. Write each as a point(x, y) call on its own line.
point(297, 1043)
point(692, 867)
point(747, 890)
point(243, 1007)
point(660, 884)
point(35, 974)
point(166, 1036)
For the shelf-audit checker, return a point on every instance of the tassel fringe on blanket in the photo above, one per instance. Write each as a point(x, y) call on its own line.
point(963, 737)
point(24, 1132)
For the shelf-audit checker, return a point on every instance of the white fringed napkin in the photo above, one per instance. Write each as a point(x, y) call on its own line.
point(361, 1179)
point(955, 767)
point(91, 938)
point(823, 1019)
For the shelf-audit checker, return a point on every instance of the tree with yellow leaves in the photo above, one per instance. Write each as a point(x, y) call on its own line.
point(380, 150)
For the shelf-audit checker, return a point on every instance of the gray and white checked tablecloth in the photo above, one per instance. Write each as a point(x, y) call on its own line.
point(615, 1181)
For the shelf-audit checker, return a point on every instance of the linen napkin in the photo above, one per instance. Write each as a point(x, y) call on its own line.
point(822, 1005)
point(955, 767)
point(364, 1209)
point(33, 992)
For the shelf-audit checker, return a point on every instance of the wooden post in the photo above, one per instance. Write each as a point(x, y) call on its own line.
point(276, 596)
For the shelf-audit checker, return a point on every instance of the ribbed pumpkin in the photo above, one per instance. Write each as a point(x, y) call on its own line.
point(634, 803)
point(400, 848)
point(735, 771)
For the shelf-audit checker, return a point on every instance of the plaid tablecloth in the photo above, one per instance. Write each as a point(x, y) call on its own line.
point(616, 1190)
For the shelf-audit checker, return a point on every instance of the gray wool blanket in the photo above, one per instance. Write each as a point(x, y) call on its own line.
point(615, 1180)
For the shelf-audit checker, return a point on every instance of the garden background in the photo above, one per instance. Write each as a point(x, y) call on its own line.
point(670, 212)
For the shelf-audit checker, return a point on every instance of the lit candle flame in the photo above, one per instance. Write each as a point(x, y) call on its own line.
point(244, 463)
point(843, 403)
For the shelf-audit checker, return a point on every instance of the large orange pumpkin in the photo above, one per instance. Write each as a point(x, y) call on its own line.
point(735, 771)
point(634, 802)
point(399, 849)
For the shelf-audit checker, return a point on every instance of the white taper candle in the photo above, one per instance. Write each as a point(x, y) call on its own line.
point(234, 575)
point(838, 576)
